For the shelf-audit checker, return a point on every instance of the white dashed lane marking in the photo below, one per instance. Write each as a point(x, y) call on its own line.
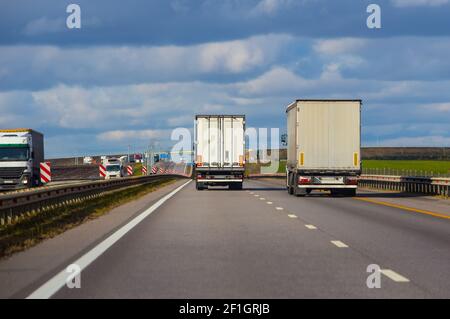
point(292, 216)
point(394, 276)
point(270, 203)
point(310, 226)
point(339, 244)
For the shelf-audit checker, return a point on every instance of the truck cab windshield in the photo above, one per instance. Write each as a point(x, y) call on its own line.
point(113, 168)
point(14, 153)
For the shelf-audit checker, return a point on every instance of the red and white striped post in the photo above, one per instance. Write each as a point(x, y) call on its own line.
point(154, 170)
point(45, 172)
point(102, 171)
point(144, 170)
point(130, 170)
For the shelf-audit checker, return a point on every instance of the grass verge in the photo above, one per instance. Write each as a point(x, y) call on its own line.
point(390, 167)
point(407, 167)
point(47, 224)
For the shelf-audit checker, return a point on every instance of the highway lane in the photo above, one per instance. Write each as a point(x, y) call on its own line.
point(241, 244)
point(413, 244)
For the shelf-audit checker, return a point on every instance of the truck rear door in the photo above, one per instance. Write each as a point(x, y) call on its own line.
point(233, 145)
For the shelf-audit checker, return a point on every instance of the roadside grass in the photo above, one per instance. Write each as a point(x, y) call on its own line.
point(407, 167)
point(402, 167)
point(31, 230)
point(137, 169)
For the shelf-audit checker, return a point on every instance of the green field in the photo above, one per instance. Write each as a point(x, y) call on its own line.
point(388, 167)
point(407, 167)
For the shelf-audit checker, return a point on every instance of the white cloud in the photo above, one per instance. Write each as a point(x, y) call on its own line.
point(234, 57)
point(417, 3)
point(132, 135)
point(270, 6)
point(338, 46)
point(110, 113)
point(441, 107)
point(281, 81)
point(275, 81)
point(44, 25)
point(72, 107)
point(180, 121)
point(103, 65)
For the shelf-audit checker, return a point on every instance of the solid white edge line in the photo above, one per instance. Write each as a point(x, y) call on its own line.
point(394, 276)
point(57, 282)
point(339, 244)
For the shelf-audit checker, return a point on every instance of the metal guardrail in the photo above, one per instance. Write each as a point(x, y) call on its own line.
point(14, 206)
point(408, 184)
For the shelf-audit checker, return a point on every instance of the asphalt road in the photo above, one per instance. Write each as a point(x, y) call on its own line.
point(263, 243)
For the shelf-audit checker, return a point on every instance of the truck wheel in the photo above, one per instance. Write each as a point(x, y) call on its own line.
point(235, 186)
point(290, 190)
point(350, 192)
point(334, 192)
point(199, 186)
point(300, 192)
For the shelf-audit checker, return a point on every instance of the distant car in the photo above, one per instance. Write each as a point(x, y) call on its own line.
point(88, 160)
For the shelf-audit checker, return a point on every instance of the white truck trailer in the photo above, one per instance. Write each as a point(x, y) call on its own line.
point(21, 152)
point(324, 146)
point(219, 150)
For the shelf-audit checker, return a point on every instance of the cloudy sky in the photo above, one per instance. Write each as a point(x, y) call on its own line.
point(137, 69)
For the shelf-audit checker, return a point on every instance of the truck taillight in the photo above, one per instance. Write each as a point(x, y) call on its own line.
point(199, 164)
point(351, 181)
point(302, 180)
point(200, 176)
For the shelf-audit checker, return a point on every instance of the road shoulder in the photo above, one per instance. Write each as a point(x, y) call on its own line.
point(18, 280)
point(414, 203)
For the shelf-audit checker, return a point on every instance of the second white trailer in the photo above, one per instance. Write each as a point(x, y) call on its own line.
point(324, 146)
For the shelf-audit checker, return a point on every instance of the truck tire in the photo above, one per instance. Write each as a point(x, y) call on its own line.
point(291, 190)
point(199, 186)
point(300, 192)
point(335, 192)
point(350, 192)
point(235, 186)
point(290, 187)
